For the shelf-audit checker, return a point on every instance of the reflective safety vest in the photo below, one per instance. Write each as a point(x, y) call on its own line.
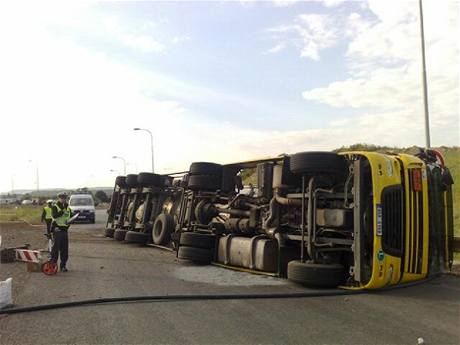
point(62, 220)
point(48, 212)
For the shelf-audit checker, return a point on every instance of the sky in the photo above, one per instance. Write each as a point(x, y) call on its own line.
point(214, 81)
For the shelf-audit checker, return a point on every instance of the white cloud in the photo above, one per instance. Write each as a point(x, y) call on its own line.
point(332, 3)
point(139, 37)
point(65, 105)
point(143, 43)
point(284, 3)
point(181, 39)
point(309, 33)
point(276, 49)
point(384, 64)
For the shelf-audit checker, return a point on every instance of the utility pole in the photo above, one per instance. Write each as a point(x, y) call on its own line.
point(425, 87)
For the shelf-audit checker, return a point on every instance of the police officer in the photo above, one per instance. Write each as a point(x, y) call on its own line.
point(47, 216)
point(61, 213)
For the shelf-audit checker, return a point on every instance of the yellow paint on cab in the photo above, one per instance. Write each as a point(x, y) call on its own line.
point(389, 170)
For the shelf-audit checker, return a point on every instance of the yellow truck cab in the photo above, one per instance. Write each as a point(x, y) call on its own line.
point(412, 219)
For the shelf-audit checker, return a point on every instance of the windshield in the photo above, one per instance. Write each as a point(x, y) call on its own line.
point(81, 202)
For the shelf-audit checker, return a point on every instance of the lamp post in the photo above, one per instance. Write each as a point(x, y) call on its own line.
point(124, 162)
point(37, 175)
point(12, 183)
point(151, 142)
point(425, 91)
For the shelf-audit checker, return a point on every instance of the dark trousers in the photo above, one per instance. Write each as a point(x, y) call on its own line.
point(60, 247)
point(48, 225)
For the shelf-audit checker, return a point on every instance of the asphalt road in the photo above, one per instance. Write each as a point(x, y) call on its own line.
point(101, 267)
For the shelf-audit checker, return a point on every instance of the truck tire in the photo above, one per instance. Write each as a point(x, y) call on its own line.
point(318, 163)
point(131, 180)
point(163, 228)
point(167, 181)
point(108, 232)
point(229, 179)
point(119, 234)
point(197, 240)
point(198, 255)
point(204, 182)
point(205, 168)
point(316, 275)
point(120, 181)
point(136, 237)
point(149, 179)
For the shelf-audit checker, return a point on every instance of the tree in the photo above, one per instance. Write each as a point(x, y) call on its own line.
point(102, 196)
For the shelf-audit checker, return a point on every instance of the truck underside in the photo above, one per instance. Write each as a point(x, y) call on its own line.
point(317, 218)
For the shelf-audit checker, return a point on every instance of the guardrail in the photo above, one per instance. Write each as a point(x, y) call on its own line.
point(456, 244)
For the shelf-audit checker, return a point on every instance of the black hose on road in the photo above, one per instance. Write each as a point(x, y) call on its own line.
point(201, 297)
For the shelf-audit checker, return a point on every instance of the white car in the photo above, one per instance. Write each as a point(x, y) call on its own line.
point(83, 204)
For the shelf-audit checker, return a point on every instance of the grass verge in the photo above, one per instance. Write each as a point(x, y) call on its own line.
point(31, 214)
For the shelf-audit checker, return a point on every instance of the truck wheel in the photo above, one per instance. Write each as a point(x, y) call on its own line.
point(120, 181)
point(318, 275)
point(119, 234)
point(318, 163)
point(198, 255)
point(166, 181)
point(205, 168)
point(163, 228)
point(229, 178)
point(131, 180)
point(197, 240)
point(136, 237)
point(149, 179)
point(109, 232)
point(204, 182)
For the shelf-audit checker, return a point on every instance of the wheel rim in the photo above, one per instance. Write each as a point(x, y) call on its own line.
point(158, 227)
point(50, 268)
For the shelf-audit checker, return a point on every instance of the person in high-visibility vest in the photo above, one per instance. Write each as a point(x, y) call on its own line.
point(47, 217)
point(61, 214)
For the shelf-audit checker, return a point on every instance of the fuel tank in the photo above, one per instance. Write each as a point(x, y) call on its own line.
point(256, 253)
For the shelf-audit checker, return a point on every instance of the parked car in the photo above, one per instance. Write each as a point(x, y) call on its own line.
point(83, 204)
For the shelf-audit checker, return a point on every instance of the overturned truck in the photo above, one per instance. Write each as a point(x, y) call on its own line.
point(361, 220)
point(142, 209)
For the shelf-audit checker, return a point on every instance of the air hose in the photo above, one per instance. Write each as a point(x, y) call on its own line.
point(202, 297)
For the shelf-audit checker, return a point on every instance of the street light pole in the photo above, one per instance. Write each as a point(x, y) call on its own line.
point(151, 143)
point(38, 179)
point(37, 175)
point(12, 183)
point(124, 162)
point(425, 87)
